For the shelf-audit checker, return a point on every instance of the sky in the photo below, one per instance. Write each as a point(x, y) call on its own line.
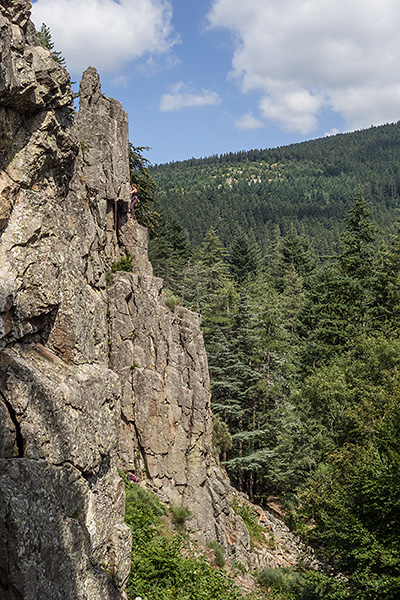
point(205, 77)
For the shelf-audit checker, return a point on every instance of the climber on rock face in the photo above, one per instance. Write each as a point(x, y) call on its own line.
point(134, 199)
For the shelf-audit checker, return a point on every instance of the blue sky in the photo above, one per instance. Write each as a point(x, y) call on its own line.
point(203, 77)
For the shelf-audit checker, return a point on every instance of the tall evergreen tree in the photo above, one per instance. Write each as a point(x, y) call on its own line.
point(146, 208)
point(386, 308)
point(169, 252)
point(244, 258)
point(45, 39)
point(339, 306)
point(293, 251)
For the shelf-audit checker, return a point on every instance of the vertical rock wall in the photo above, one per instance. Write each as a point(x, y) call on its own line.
point(61, 500)
point(159, 356)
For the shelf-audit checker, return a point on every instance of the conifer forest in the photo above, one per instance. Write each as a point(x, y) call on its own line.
point(292, 257)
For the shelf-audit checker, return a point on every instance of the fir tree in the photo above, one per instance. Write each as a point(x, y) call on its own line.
point(45, 39)
point(244, 258)
point(339, 306)
point(146, 207)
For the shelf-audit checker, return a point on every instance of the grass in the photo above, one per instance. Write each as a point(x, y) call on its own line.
point(219, 553)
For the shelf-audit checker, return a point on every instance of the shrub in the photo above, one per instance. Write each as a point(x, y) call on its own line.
point(179, 514)
point(124, 264)
point(219, 553)
point(274, 578)
point(159, 570)
point(288, 584)
point(238, 566)
point(250, 518)
point(142, 508)
point(171, 300)
point(109, 279)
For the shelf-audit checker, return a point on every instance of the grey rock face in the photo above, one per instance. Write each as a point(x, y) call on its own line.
point(61, 500)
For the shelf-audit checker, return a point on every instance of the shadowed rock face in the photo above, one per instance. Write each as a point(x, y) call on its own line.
point(95, 370)
point(61, 500)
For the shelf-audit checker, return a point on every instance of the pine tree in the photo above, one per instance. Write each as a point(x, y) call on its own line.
point(244, 259)
point(294, 251)
point(218, 291)
point(386, 309)
point(339, 305)
point(45, 39)
point(169, 253)
point(145, 210)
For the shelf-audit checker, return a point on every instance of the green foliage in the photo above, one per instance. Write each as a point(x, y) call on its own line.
point(170, 252)
point(244, 259)
point(319, 586)
point(179, 515)
point(292, 253)
point(308, 186)
point(160, 570)
point(142, 510)
point(170, 299)
point(44, 38)
point(124, 264)
point(340, 305)
point(221, 438)
point(288, 584)
point(219, 553)
point(251, 520)
point(275, 578)
point(353, 496)
point(238, 566)
point(146, 208)
point(304, 365)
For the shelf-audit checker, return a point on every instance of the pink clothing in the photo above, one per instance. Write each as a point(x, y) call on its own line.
point(134, 199)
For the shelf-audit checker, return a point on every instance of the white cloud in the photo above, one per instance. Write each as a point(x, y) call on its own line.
point(106, 33)
point(248, 121)
point(179, 98)
point(294, 109)
point(306, 55)
point(333, 131)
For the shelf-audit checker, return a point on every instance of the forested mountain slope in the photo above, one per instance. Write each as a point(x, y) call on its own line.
point(304, 354)
point(310, 185)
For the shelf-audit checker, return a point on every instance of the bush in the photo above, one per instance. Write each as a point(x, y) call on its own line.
point(274, 578)
point(219, 553)
point(159, 569)
point(287, 584)
point(124, 264)
point(142, 508)
point(238, 566)
point(171, 300)
point(179, 514)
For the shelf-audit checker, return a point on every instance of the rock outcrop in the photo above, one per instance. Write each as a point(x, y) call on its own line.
point(96, 371)
point(62, 533)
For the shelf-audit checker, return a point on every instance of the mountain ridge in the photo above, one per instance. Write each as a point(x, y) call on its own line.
point(309, 185)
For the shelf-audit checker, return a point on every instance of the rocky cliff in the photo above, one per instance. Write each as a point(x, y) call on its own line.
point(96, 372)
